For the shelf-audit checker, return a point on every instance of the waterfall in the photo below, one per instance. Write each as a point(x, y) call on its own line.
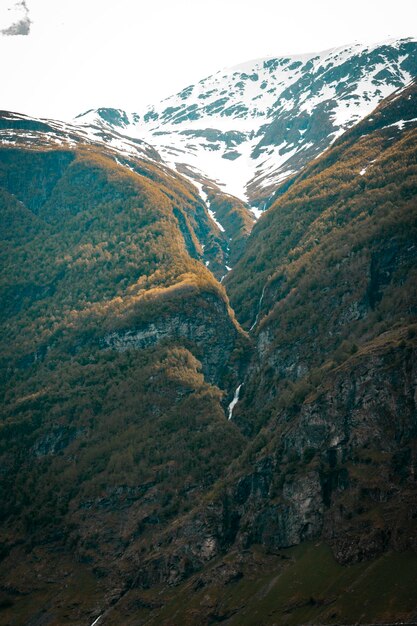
point(234, 402)
point(259, 308)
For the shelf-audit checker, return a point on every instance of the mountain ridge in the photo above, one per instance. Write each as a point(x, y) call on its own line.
point(240, 116)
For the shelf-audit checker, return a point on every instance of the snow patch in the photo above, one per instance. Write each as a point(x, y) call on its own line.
point(256, 212)
point(213, 217)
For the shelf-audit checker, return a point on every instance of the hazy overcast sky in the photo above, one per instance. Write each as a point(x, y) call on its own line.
point(61, 57)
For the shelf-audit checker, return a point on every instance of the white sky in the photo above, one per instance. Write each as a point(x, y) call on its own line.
point(82, 54)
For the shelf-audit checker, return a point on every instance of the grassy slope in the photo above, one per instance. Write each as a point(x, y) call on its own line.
point(300, 585)
point(306, 585)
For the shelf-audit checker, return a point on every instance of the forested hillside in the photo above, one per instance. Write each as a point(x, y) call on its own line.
point(127, 493)
point(119, 350)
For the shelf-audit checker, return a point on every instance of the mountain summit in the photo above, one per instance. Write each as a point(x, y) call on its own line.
point(250, 127)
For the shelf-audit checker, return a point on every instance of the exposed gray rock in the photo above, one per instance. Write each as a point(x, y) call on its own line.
point(320, 481)
point(211, 330)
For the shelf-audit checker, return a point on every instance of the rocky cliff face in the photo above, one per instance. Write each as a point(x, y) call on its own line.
point(339, 467)
point(211, 331)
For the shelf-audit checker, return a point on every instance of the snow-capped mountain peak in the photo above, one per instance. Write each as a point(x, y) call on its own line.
point(249, 127)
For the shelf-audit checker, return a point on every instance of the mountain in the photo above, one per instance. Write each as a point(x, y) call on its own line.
point(181, 445)
point(246, 129)
point(327, 403)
